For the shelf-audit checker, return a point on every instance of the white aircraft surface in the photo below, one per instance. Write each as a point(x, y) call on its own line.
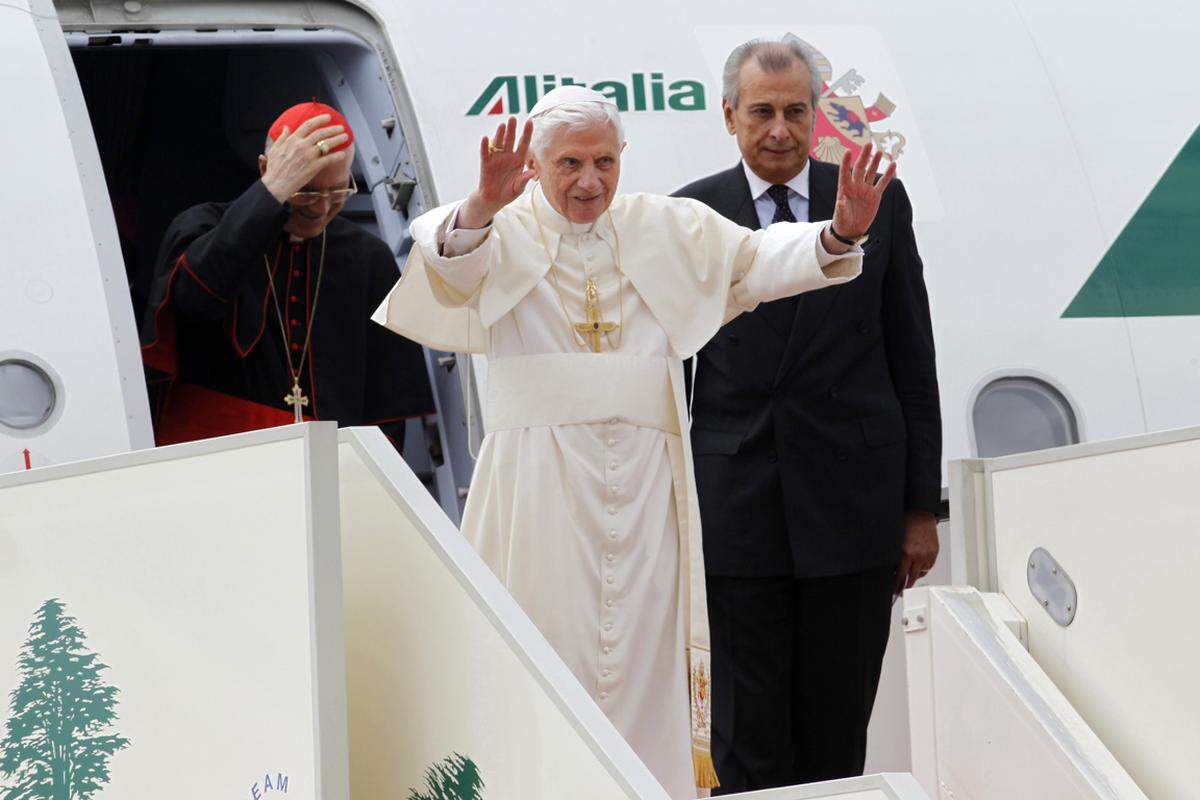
point(1051, 150)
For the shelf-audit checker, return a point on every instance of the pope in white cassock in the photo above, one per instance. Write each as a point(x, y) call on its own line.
point(585, 301)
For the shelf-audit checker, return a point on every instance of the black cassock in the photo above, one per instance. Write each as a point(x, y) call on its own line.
point(211, 341)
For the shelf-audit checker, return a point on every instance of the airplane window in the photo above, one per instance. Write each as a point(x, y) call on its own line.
point(27, 395)
point(1019, 414)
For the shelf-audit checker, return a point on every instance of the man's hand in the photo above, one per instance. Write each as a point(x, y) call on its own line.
point(297, 158)
point(502, 174)
point(920, 549)
point(859, 193)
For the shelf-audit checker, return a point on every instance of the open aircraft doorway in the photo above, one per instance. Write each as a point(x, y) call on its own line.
point(180, 118)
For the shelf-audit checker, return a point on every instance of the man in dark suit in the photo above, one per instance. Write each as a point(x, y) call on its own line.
point(817, 438)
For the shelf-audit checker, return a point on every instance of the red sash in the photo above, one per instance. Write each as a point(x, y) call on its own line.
point(192, 412)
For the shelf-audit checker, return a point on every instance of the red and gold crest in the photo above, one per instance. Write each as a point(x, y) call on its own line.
point(844, 121)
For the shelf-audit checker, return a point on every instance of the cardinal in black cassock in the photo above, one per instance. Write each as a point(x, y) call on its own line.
point(260, 308)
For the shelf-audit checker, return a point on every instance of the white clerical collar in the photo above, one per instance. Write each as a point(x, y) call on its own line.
point(555, 221)
point(758, 187)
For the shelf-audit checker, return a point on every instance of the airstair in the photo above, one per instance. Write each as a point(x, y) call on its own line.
point(293, 603)
point(291, 607)
point(1069, 669)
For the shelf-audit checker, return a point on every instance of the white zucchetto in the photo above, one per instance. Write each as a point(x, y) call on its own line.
point(567, 94)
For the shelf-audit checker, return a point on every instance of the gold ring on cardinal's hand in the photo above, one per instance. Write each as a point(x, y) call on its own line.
point(323, 147)
point(494, 148)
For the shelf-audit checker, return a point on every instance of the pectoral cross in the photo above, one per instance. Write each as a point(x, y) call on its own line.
point(595, 327)
point(296, 399)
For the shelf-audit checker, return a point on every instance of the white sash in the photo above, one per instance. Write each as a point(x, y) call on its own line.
point(579, 389)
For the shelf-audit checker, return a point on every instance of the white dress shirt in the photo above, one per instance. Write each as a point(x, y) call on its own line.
point(765, 206)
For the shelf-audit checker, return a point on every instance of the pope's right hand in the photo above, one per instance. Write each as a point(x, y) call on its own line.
point(502, 174)
point(296, 158)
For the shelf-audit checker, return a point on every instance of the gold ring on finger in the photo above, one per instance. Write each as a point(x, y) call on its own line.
point(323, 146)
point(494, 148)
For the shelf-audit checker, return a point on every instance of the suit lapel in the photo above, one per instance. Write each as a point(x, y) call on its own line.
point(739, 205)
point(822, 185)
point(813, 307)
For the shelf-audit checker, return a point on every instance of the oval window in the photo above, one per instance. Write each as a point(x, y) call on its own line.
point(1020, 414)
point(27, 395)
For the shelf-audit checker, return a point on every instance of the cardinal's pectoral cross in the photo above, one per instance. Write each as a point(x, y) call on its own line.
point(296, 400)
point(595, 327)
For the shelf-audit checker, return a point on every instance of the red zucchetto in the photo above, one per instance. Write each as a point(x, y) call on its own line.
point(298, 114)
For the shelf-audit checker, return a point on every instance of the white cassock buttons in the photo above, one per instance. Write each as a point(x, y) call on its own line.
point(609, 579)
point(612, 465)
point(604, 695)
point(608, 626)
point(608, 603)
point(607, 650)
point(612, 442)
point(612, 510)
point(612, 534)
point(611, 557)
point(605, 673)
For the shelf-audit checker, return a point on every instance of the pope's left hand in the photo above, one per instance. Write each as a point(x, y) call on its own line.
point(859, 191)
point(920, 549)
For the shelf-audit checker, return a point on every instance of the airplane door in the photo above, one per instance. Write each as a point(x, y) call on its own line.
point(71, 383)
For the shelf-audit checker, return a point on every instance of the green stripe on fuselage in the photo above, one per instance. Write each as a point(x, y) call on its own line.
point(1153, 268)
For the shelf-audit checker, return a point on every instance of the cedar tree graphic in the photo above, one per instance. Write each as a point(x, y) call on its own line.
point(454, 778)
point(57, 743)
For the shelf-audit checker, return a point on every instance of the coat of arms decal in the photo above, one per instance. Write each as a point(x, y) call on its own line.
point(843, 121)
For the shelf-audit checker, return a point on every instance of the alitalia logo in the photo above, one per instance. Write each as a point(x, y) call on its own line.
point(644, 91)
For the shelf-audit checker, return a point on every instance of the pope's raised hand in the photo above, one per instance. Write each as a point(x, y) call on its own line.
point(502, 174)
point(860, 189)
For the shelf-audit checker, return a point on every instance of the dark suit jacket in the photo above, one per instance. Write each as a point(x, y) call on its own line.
point(812, 442)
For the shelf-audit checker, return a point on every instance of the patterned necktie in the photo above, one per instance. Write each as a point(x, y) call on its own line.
point(783, 211)
point(780, 313)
